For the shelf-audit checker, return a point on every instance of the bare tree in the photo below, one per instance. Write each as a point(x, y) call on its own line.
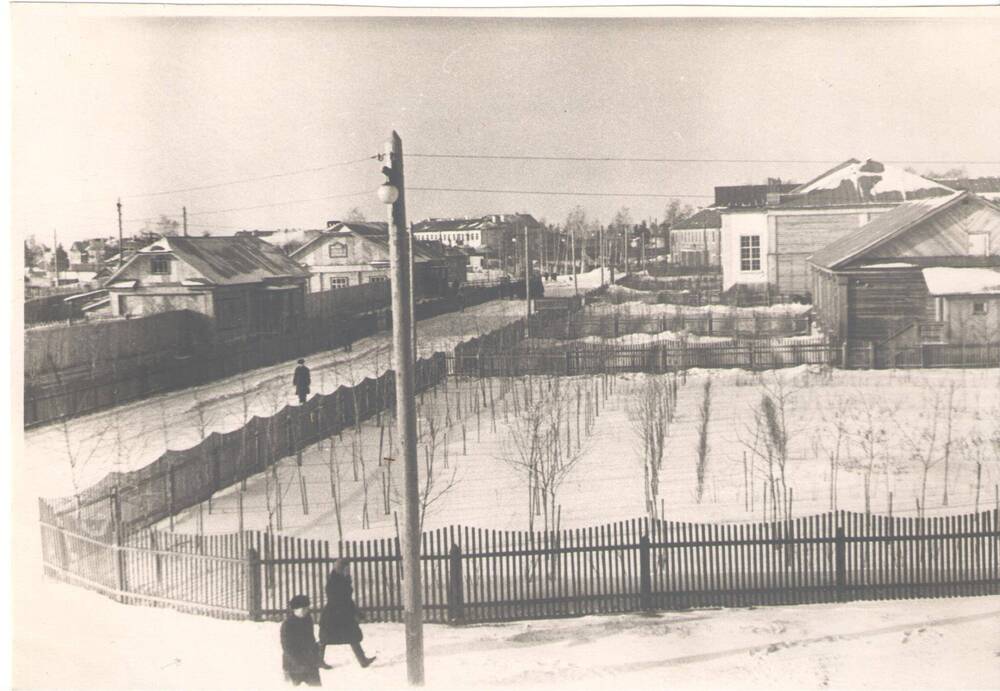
point(705, 413)
point(651, 413)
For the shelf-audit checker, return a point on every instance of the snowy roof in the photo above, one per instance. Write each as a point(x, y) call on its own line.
point(883, 227)
point(953, 281)
point(226, 260)
point(863, 182)
point(375, 233)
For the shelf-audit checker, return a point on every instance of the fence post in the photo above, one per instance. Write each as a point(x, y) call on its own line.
point(645, 584)
point(871, 354)
point(253, 584)
point(840, 551)
point(121, 566)
point(923, 355)
point(456, 603)
point(844, 362)
point(709, 323)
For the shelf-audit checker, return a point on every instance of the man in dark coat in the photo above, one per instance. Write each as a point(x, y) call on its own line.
point(338, 624)
point(300, 658)
point(301, 380)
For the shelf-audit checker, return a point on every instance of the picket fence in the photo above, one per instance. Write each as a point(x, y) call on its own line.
point(613, 325)
point(471, 575)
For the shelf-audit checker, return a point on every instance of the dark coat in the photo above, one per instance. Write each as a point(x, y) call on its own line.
point(338, 623)
point(299, 651)
point(301, 379)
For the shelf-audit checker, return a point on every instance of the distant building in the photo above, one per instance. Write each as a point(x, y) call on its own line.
point(350, 254)
point(926, 270)
point(499, 237)
point(696, 241)
point(769, 245)
point(242, 284)
point(987, 188)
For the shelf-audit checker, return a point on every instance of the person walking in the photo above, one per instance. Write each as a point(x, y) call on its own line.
point(301, 381)
point(338, 623)
point(300, 655)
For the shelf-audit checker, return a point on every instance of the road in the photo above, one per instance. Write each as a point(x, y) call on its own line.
point(70, 455)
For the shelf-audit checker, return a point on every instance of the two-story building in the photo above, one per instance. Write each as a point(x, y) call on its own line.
point(499, 237)
point(696, 241)
point(769, 246)
point(351, 254)
point(242, 284)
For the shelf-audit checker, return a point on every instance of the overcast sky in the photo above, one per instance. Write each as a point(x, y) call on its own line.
point(108, 107)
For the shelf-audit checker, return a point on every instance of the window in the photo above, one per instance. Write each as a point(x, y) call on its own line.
point(338, 282)
point(749, 253)
point(159, 265)
point(338, 250)
point(978, 308)
point(377, 279)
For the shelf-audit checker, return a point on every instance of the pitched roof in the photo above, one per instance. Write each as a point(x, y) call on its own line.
point(375, 233)
point(863, 182)
point(706, 218)
point(226, 260)
point(883, 227)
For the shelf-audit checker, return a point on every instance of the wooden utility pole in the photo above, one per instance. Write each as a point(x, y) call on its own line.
point(55, 257)
point(184, 210)
point(527, 278)
point(406, 421)
point(413, 299)
point(121, 244)
point(572, 244)
point(600, 243)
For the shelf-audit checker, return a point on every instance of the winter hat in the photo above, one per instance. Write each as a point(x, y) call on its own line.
point(298, 601)
point(301, 361)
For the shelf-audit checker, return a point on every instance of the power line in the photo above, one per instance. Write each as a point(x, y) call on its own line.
point(630, 159)
point(561, 194)
point(274, 176)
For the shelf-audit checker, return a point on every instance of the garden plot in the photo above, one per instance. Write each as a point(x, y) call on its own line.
point(72, 455)
point(828, 439)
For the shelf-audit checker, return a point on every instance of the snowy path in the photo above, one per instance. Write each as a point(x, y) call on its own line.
point(132, 436)
point(904, 644)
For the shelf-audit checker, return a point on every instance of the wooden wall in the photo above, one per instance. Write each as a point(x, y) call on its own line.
point(797, 237)
point(883, 301)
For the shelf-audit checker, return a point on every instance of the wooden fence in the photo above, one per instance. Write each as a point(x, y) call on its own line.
point(98, 377)
point(613, 325)
point(471, 575)
point(182, 479)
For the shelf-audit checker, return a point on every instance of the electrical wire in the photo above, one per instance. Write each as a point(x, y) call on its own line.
point(562, 194)
point(628, 159)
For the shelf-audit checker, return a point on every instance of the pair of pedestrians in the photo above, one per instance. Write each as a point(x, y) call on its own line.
point(302, 655)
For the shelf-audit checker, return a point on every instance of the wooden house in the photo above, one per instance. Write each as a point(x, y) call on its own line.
point(922, 272)
point(351, 254)
point(242, 284)
point(769, 245)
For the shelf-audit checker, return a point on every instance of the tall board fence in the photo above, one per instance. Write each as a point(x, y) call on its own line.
point(471, 575)
point(71, 371)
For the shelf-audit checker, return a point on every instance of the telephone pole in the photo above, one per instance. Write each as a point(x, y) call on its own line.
point(121, 244)
point(413, 293)
point(572, 244)
point(55, 256)
point(600, 242)
point(527, 278)
point(392, 192)
point(184, 210)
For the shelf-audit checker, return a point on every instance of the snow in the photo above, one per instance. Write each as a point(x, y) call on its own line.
point(606, 484)
point(947, 643)
point(133, 435)
point(952, 281)
point(639, 308)
point(889, 265)
point(892, 179)
point(563, 285)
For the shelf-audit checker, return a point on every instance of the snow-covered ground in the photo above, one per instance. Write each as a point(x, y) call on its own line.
point(81, 640)
point(606, 484)
point(133, 435)
point(563, 285)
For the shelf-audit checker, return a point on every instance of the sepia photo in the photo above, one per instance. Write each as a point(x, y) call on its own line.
point(577, 348)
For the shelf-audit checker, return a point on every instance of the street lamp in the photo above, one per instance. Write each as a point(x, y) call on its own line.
point(387, 193)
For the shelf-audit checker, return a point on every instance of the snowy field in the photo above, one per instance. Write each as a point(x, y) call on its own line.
point(473, 454)
point(563, 285)
point(133, 435)
point(904, 644)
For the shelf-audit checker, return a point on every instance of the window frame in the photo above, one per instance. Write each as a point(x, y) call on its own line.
point(159, 261)
point(341, 248)
point(342, 282)
point(750, 253)
point(983, 308)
